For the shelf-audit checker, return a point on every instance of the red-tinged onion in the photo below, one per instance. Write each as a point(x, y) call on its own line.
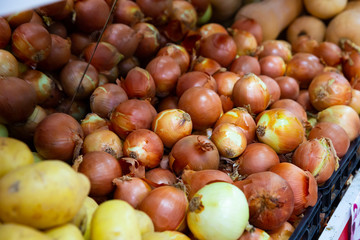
point(241, 118)
point(203, 105)
point(289, 87)
point(79, 41)
point(91, 15)
point(18, 18)
point(102, 80)
point(276, 48)
point(37, 19)
point(246, 43)
point(123, 37)
point(355, 100)
point(139, 84)
point(103, 140)
point(105, 58)
point(145, 146)
point(195, 79)
point(31, 43)
point(270, 199)
point(219, 46)
point(244, 65)
point(59, 54)
point(9, 66)
point(58, 136)
point(304, 100)
point(343, 115)
point(78, 109)
point(105, 98)
point(59, 29)
point(131, 189)
point(169, 102)
point(65, 12)
point(229, 139)
point(100, 168)
point(273, 87)
point(178, 53)
point(93, 122)
point(335, 133)
point(328, 52)
point(126, 65)
point(254, 234)
point(211, 28)
point(329, 89)
point(194, 152)
point(257, 157)
point(351, 61)
point(292, 106)
point(127, 12)
point(317, 156)
point(150, 40)
point(304, 67)
point(195, 180)
point(282, 233)
point(225, 82)
point(272, 66)
point(51, 10)
point(130, 115)
point(167, 207)
point(171, 125)
point(280, 129)
point(251, 92)
point(5, 32)
point(165, 72)
point(161, 176)
point(206, 65)
point(302, 183)
point(159, 11)
point(304, 44)
point(250, 25)
point(131, 167)
point(18, 100)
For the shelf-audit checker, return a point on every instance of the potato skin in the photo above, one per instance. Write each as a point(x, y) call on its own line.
point(14, 231)
point(42, 195)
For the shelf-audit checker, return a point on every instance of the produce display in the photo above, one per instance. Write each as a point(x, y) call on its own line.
point(173, 119)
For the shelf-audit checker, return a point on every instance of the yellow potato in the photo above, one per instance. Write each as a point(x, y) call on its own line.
point(14, 231)
point(3, 131)
point(83, 218)
point(65, 232)
point(145, 222)
point(42, 195)
point(166, 235)
point(13, 154)
point(115, 220)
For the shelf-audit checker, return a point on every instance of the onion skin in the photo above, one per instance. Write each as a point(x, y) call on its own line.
point(355, 100)
point(5, 32)
point(41, 83)
point(158, 11)
point(58, 136)
point(293, 107)
point(245, 64)
point(9, 65)
point(282, 233)
point(194, 79)
point(289, 87)
point(150, 40)
point(250, 25)
point(255, 234)
point(166, 206)
point(206, 65)
point(127, 12)
point(270, 199)
point(178, 53)
point(280, 129)
point(276, 48)
point(272, 66)
point(161, 176)
point(328, 52)
point(302, 183)
point(273, 87)
point(139, 84)
point(93, 122)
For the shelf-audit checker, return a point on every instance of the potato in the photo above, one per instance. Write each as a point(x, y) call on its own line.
point(65, 232)
point(166, 235)
point(145, 222)
point(42, 195)
point(83, 218)
point(14, 231)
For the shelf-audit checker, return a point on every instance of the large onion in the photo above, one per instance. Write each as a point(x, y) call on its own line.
point(292, 106)
point(139, 84)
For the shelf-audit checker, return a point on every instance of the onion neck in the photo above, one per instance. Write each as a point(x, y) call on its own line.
point(195, 205)
point(204, 146)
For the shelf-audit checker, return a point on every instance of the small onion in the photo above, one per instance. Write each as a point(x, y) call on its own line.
point(18, 18)
point(276, 48)
point(211, 28)
point(139, 84)
point(93, 122)
point(206, 65)
point(283, 232)
point(161, 176)
point(127, 12)
point(91, 15)
point(250, 25)
point(158, 11)
point(195, 79)
point(272, 66)
point(328, 52)
point(304, 44)
point(289, 87)
point(245, 64)
point(9, 66)
point(292, 106)
point(178, 53)
point(150, 40)
point(5, 32)
point(255, 234)
point(273, 87)
point(355, 100)
point(225, 82)
point(246, 43)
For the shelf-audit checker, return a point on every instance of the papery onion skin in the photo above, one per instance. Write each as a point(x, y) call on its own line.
point(139, 84)
point(93, 122)
point(303, 184)
point(178, 53)
point(257, 157)
point(276, 48)
point(41, 83)
point(150, 41)
point(161, 176)
point(280, 129)
point(246, 43)
point(270, 199)
point(293, 107)
point(206, 65)
point(328, 52)
point(225, 82)
point(211, 28)
point(158, 11)
point(171, 125)
point(283, 232)
point(166, 206)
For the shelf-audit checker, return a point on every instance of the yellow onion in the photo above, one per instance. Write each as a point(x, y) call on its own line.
point(282, 233)
point(355, 100)
point(93, 122)
point(9, 65)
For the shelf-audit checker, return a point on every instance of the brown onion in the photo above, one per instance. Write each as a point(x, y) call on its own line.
point(76, 109)
point(127, 64)
point(51, 10)
point(351, 61)
point(167, 207)
point(93, 122)
point(273, 87)
point(283, 232)
point(158, 11)
point(131, 167)
point(225, 82)
point(59, 29)
point(317, 156)
point(328, 52)
point(304, 100)
point(304, 44)
point(355, 100)
point(91, 15)
point(127, 12)
point(257, 157)
point(18, 18)
point(276, 48)
point(161, 176)
point(194, 79)
point(58, 136)
point(194, 152)
point(131, 189)
point(9, 66)
point(244, 65)
point(100, 168)
point(211, 28)
point(293, 107)
point(272, 66)
point(270, 199)
point(139, 84)
point(178, 53)
point(250, 25)
point(246, 43)
point(335, 133)
point(79, 41)
point(206, 65)
point(150, 40)
point(169, 102)
point(289, 87)
point(254, 234)
point(5, 32)
point(203, 105)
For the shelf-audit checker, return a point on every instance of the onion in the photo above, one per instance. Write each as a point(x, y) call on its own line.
point(214, 203)
point(304, 100)
point(139, 84)
point(131, 189)
point(351, 60)
point(254, 234)
point(272, 86)
point(150, 40)
point(100, 168)
point(225, 82)
point(194, 152)
point(246, 43)
point(210, 29)
point(317, 156)
point(58, 136)
point(257, 157)
point(130, 115)
point(270, 199)
point(169, 102)
point(195, 79)
point(328, 52)
point(5, 32)
point(276, 48)
point(272, 66)
point(165, 72)
point(31, 43)
point(161, 176)
point(250, 25)
point(289, 87)
point(165, 235)
point(302, 183)
point(206, 65)
point(103, 140)
point(127, 12)
point(91, 15)
point(166, 206)
point(280, 129)
point(17, 101)
point(244, 65)
point(79, 41)
point(9, 65)
point(158, 11)
point(105, 98)
point(51, 10)
point(18, 18)
point(283, 232)
point(344, 116)
point(304, 44)
point(293, 107)
point(145, 146)
point(171, 125)
point(131, 167)
point(178, 53)
point(355, 100)
point(251, 92)
point(329, 89)
point(59, 29)
point(93, 122)
point(77, 109)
